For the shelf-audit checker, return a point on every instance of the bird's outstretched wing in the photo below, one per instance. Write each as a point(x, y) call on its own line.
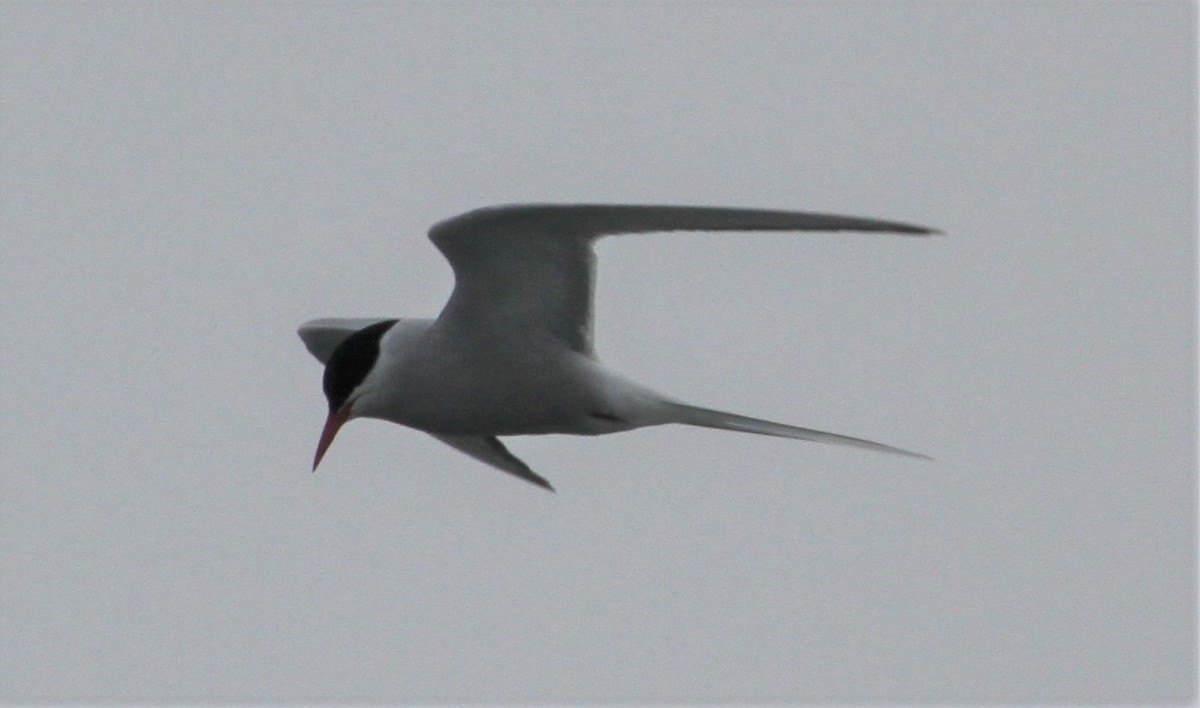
point(493, 452)
point(529, 268)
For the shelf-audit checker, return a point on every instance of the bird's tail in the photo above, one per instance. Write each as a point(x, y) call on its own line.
point(708, 418)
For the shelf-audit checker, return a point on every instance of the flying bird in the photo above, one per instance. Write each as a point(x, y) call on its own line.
point(511, 353)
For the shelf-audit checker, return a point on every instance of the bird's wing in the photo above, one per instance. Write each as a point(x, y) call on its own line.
point(322, 336)
point(493, 452)
point(529, 268)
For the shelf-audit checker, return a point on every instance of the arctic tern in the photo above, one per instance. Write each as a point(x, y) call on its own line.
point(511, 352)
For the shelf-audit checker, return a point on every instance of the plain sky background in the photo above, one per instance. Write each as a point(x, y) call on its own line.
point(183, 184)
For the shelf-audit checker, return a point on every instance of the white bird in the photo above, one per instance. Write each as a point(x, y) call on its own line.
point(511, 352)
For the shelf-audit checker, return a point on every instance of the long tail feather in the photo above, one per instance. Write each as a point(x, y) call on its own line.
point(708, 418)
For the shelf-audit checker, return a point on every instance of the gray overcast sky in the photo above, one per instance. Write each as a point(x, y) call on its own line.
point(183, 184)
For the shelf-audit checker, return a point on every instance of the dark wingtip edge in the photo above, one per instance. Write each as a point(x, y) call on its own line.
point(921, 231)
point(541, 482)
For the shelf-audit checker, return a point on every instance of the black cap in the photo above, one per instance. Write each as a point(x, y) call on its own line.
point(351, 361)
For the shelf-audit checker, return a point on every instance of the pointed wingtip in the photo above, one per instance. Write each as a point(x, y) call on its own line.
point(922, 231)
point(904, 453)
point(880, 447)
point(913, 230)
point(534, 478)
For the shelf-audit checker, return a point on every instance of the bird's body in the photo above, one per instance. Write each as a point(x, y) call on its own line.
point(511, 353)
point(491, 383)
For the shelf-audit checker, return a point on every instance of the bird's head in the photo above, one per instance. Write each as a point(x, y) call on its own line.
point(346, 379)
